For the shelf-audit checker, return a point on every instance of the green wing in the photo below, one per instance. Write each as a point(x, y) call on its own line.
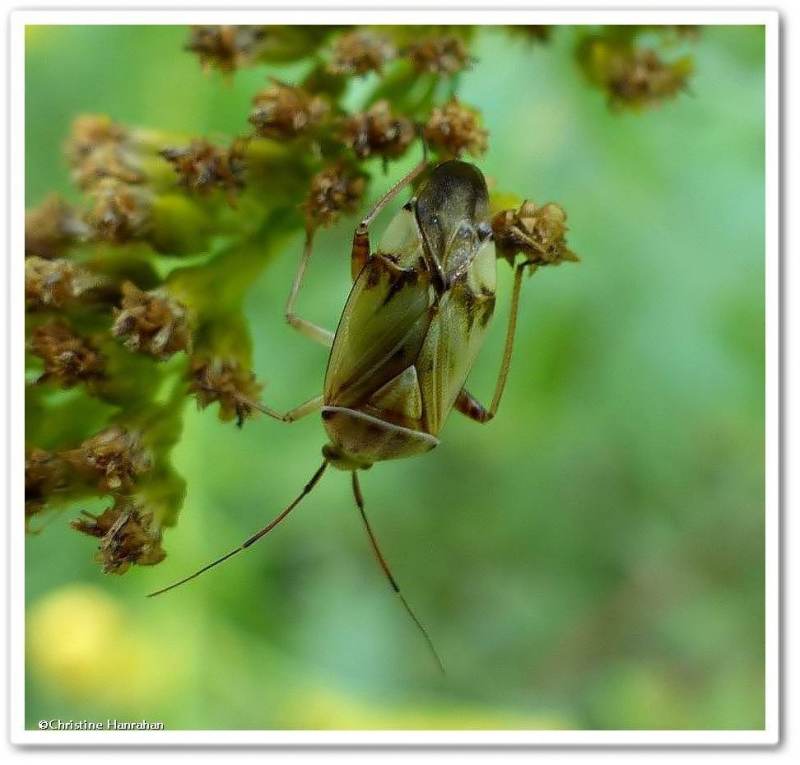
point(454, 338)
point(381, 330)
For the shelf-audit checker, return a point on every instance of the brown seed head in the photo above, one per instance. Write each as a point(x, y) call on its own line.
point(439, 55)
point(226, 48)
point(121, 212)
point(55, 283)
point(112, 459)
point(51, 228)
point(100, 148)
point(127, 535)
point(536, 232)
point(284, 112)
point(632, 77)
point(335, 190)
point(378, 131)
point(151, 322)
point(455, 128)
point(227, 382)
point(68, 358)
point(360, 52)
point(45, 474)
point(202, 167)
point(644, 78)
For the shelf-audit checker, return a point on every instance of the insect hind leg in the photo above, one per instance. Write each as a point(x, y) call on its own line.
point(359, 498)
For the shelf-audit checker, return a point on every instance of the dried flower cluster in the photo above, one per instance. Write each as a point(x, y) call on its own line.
point(45, 475)
point(536, 232)
point(454, 129)
point(359, 52)
point(334, 190)
point(226, 382)
point(127, 535)
point(55, 283)
point(439, 55)
point(121, 212)
point(283, 112)
point(202, 167)
point(226, 47)
point(69, 359)
point(152, 322)
point(632, 76)
point(112, 459)
point(378, 131)
point(51, 228)
point(100, 148)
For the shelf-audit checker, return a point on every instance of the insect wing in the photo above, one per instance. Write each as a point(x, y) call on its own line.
point(385, 319)
point(455, 336)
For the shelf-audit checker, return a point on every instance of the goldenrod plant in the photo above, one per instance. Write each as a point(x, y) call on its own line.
point(135, 296)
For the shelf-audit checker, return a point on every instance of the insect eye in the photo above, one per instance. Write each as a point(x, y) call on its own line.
point(484, 230)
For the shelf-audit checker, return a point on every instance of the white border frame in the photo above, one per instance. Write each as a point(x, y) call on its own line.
point(18, 735)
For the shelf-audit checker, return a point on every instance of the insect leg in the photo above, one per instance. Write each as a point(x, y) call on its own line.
point(359, 497)
point(392, 193)
point(306, 408)
point(254, 537)
point(361, 248)
point(309, 329)
point(466, 403)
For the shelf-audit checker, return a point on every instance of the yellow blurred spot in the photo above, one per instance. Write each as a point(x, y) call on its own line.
point(83, 642)
point(324, 709)
point(38, 35)
point(500, 200)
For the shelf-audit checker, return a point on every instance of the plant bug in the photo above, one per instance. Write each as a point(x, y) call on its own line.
point(410, 332)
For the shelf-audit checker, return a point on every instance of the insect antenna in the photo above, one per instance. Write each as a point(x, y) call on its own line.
point(255, 537)
point(359, 497)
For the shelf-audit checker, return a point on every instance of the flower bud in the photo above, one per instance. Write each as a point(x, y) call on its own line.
point(455, 128)
point(360, 52)
point(127, 536)
point(378, 132)
point(536, 232)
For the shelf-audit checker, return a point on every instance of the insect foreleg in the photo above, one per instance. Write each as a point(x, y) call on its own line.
point(391, 194)
point(309, 329)
point(361, 248)
point(466, 403)
point(359, 497)
point(254, 537)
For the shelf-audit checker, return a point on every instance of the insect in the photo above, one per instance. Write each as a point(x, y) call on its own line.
point(417, 315)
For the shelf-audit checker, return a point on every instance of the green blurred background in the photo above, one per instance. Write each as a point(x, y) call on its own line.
point(592, 559)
